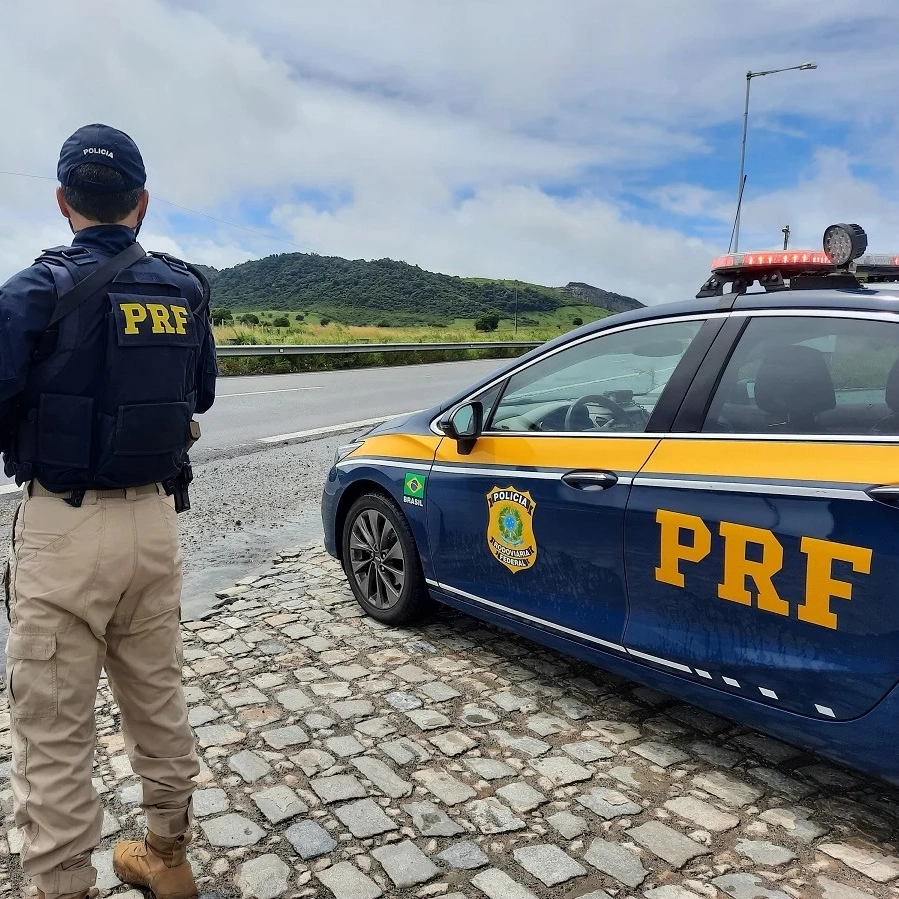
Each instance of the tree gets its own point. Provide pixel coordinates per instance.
(282, 321)
(300, 317)
(325, 321)
(221, 315)
(489, 321)
(577, 321)
(248, 318)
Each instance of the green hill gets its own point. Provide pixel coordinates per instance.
(360, 292)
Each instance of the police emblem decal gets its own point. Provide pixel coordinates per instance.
(510, 528)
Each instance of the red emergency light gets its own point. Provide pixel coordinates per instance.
(793, 261)
(788, 260)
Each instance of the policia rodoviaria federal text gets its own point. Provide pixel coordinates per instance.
(106, 353)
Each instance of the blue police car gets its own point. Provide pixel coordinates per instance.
(701, 496)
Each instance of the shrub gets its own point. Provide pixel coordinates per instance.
(248, 318)
(487, 322)
(282, 321)
(577, 321)
(243, 338)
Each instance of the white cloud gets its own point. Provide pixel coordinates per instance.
(829, 192)
(398, 108)
(517, 232)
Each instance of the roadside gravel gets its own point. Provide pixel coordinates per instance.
(243, 510)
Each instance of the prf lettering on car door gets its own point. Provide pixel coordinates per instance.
(687, 539)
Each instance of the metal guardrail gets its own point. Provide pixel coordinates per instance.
(311, 349)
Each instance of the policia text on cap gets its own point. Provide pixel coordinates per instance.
(106, 353)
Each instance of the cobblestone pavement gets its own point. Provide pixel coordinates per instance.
(342, 758)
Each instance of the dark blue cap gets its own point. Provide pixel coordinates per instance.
(101, 145)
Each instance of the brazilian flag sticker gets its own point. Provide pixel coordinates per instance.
(414, 486)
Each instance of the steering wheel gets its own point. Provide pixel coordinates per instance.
(579, 407)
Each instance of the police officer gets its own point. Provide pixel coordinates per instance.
(105, 355)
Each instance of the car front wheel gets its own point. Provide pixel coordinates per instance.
(381, 560)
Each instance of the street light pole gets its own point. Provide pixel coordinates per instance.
(516, 308)
(805, 67)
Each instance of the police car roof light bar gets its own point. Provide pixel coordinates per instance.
(842, 260)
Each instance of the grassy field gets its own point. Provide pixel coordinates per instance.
(532, 327)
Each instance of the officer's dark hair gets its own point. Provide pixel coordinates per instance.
(107, 208)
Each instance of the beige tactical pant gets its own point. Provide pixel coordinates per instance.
(93, 587)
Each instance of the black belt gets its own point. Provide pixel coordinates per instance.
(34, 488)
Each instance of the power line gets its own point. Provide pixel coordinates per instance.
(233, 225)
(25, 175)
(187, 209)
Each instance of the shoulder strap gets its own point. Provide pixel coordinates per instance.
(185, 268)
(96, 281)
(204, 284)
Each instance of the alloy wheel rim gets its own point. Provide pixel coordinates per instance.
(377, 561)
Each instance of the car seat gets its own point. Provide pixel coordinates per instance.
(890, 424)
(793, 384)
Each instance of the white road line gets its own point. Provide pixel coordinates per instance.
(225, 396)
(333, 429)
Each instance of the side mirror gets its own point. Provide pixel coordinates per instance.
(464, 424)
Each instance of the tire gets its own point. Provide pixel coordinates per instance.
(381, 561)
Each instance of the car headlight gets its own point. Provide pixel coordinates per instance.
(345, 449)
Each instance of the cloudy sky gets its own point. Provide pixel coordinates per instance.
(546, 140)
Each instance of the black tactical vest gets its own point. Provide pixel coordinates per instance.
(112, 388)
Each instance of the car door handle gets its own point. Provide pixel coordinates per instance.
(590, 480)
(888, 493)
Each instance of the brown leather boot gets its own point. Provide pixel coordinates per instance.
(157, 863)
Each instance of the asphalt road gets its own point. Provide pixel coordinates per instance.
(252, 496)
(250, 409)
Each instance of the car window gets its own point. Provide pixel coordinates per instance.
(488, 399)
(810, 375)
(609, 383)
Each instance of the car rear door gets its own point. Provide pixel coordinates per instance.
(762, 540)
(529, 522)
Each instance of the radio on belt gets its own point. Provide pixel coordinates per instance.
(842, 263)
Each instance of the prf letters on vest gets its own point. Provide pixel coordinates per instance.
(686, 538)
(159, 318)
